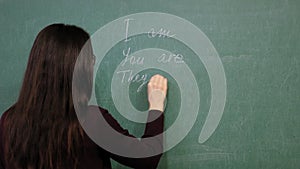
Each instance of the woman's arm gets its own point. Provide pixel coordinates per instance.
(152, 129)
(119, 144)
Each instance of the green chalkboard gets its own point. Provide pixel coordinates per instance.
(241, 57)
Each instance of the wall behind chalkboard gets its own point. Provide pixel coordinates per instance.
(257, 41)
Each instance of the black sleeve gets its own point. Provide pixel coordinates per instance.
(154, 145)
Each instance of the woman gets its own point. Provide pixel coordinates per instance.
(41, 130)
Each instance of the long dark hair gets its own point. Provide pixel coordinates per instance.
(42, 130)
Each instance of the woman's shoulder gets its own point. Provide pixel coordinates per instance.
(97, 114)
(4, 115)
(96, 109)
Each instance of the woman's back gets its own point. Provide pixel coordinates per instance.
(41, 131)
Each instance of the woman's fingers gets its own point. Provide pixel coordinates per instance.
(165, 86)
(157, 82)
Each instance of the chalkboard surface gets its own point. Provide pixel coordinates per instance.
(254, 44)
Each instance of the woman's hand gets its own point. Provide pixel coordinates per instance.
(157, 91)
